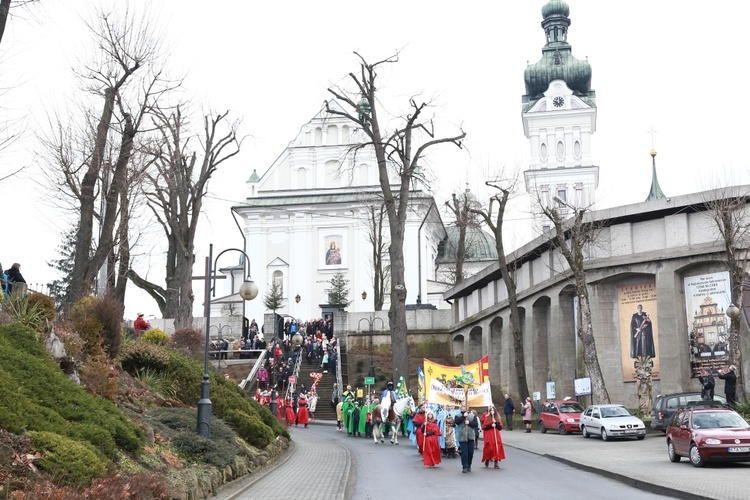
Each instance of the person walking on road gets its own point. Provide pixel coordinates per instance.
(730, 384)
(431, 447)
(508, 410)
(526, 409)
(493, 443)
(466, 431)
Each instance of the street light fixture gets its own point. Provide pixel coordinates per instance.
(297, 299)
(371, 322)
(248, 291)
(364, 295)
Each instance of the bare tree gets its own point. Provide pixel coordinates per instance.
(728, 207)
(175, 194)
(572, 238)
(494, 217)
(399, 154)
(380, 274)
(126, 44)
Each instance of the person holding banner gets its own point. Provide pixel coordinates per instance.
(431, 446)
(417, 422)
(493, 443)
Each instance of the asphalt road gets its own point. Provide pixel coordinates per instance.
(326, 464)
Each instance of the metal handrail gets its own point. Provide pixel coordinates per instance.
(295, 372)
(254, 371)
(339, 378)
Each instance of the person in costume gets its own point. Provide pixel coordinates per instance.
(389, 395)
(431, 445)
(291, 418)
(353, 423)
(493, 442)
(339, 416)
(303, 415)
(312, 403)
(348, 397)
(417, 422)
(450, 436)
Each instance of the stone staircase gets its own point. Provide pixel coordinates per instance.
(325, 386)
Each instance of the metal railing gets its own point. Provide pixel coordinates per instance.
(291, 386)
(254, 371)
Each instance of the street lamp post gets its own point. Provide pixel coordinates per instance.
(371, 322)
(248, 291)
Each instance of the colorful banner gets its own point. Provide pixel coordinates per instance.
(707, 297)
(443, 383)
(639, 325)
(420, 378)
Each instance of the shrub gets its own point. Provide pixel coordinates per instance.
(87, 325)
(100, 378)
(190, 342)
(137, 356)
(19, 309)
(250, 428)
(68, 461)
(156, 336)
(45, 304)
(109, 311)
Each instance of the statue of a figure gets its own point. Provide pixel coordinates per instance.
(643, 366)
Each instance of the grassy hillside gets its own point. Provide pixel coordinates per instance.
(57, 439)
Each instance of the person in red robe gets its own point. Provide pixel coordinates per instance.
(417, 421)
(303, 416)
(279, 408)
(291, 418)
(493, 442)
(431, 445)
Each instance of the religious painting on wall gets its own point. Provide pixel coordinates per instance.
(332, 250)
(707, 297)
(639, 342)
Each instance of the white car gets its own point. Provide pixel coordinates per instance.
(611, 421)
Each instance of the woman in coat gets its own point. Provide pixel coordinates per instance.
(493, 442)
(431, 444)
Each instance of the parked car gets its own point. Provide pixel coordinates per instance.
(560, 414)
(611, 421)
(708, 431)
(666, 404)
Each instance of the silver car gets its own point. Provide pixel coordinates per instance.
(611, 421)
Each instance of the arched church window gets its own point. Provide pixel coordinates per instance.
(301, 178)
(560, 151)
(543, 152)
(332, 135)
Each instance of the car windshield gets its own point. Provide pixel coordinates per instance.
(571, 408)
(718, 420)
(615, 411)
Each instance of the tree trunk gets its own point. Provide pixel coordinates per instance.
(586, 334)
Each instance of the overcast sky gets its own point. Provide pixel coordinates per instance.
(671, 65)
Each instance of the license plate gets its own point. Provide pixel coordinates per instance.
(630, 431)
(742, 449)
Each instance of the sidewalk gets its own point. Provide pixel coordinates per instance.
(643, 464)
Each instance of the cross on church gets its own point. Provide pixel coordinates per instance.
(652, 131)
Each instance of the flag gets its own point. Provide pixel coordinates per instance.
(420, 378)
(401, 391)
(443, 383)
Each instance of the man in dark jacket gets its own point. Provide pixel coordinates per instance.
(707, 385)
(466, 425)
(508, 411)
(730, 384)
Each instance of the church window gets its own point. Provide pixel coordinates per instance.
(562, 194)
(345, 138)
(332, 135)
(318, 137)
(332, 173)
(543, 152)
(560, 151)
(301, 178)
(546, 228)
(545, 196)
(579, 201)
(363, 177)
(577, 150)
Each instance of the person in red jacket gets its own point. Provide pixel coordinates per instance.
(140, 325)
(431, 444)
(493, 443)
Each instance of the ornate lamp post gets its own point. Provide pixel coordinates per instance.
(248, 291)
(371, 322)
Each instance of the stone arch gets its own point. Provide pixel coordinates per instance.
(539, 343)
(496, 351)
(458, 347)
(475, 345)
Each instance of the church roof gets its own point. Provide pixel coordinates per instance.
(557, 62)
(480, 245)
(273, 199)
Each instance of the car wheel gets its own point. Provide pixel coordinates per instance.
(673, 456)
(585, 432)
(562, 430)
(542, 428)
(695, 457)
(605, 436)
